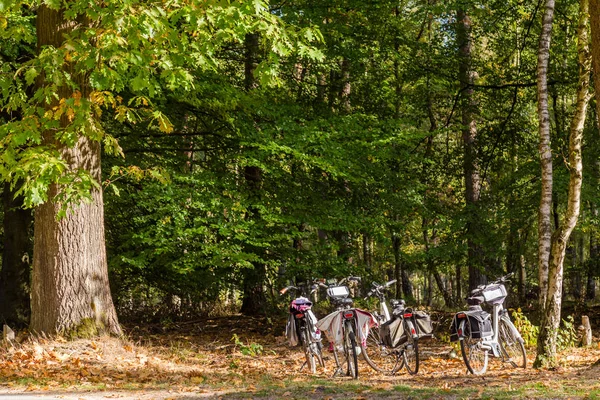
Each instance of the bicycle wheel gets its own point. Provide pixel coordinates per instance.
(512, 348)
(410, 354)
(475, 357)
(311, 361)
(350, 350)
(380, 357)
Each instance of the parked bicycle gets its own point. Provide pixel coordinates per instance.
(481, 334)
(395, 343)
(346, 328)
(301, 327)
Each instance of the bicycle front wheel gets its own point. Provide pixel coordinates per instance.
(513, 349)
(475, 356)
(350, 350)
(380, 357)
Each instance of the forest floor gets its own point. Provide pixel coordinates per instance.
(239, 357)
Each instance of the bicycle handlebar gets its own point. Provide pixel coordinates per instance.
(376, 288)
(502, 279)
(300, 288)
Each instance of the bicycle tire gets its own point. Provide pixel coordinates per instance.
(475, 357)
(410, 355)
(350, 350)
(513, 349)
(379, 356)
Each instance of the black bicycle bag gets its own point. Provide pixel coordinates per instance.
(479, 321)
(423, 325)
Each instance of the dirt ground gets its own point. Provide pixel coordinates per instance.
(240, 357)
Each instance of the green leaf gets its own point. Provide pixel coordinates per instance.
(30, 75)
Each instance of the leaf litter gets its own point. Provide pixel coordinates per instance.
(200, 359)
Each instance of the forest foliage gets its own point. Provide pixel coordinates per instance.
(331, 147)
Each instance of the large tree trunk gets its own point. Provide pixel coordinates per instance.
(545, 209)
(469, 136)
(546, 355)
(70, 291)
(14, 277)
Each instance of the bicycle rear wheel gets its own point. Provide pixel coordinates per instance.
(512, 348)
(350, 350)
(411, 355)
(380, 357)
(475, 357)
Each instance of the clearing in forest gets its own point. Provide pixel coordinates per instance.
(247, 358)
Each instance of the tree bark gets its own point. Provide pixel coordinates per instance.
(70, 288)
(253, 296)
(547, 338)
(545, 209)
(586, 339)
(345, 87)
(470, 162)
(397, 264)
(592, 262)
(595, 33)
(14, 276)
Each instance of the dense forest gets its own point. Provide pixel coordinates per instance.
(169, 159)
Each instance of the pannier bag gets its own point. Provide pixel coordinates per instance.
(479, 322)
(291, 332)
(422, 322)
(392, 333)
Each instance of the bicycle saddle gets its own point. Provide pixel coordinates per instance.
(475, 300)
(397, 303)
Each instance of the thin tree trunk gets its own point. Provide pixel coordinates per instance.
(592, 263)
(469, 136)
(545, 209)
(346, 87)
(253, 296)
(397, 264)
(16, 251)
(547, 338)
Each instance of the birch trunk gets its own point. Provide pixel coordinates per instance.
(545, 209)
(546, 352)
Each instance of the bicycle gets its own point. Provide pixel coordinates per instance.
(480, 333)
(395, 344)
(346, 328)
(301, 327)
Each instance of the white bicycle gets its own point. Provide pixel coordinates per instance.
(481, 334)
